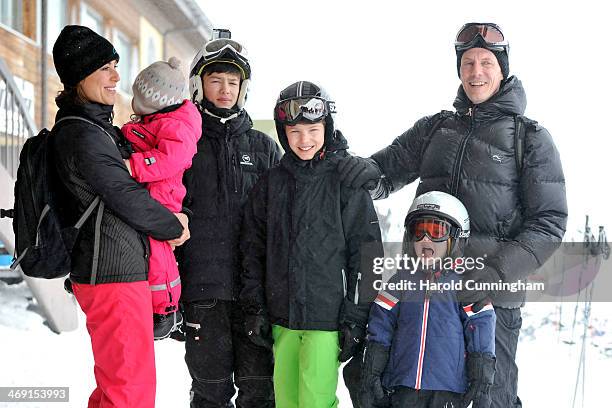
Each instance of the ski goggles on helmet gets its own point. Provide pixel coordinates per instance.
(490, 33)
(309, 109)
(436, 229)
(216, 46)
(227, 51)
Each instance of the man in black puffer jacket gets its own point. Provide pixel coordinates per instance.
(518, 211)
(230, 158)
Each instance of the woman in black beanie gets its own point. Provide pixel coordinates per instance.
(109, 260)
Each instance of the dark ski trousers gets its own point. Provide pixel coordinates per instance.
(507, 329)
(404, 397)
(219, 354)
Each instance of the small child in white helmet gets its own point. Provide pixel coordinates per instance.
(164, 134)
(424, 349)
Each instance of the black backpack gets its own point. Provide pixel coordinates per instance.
(42, 244)
(520, 124)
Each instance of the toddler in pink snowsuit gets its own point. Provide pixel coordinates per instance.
(164, 135)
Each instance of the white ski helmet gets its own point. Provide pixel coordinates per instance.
(446, 207)
(222, 50)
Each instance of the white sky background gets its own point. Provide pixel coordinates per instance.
(388, 63)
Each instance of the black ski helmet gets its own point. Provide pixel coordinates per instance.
(304, 101)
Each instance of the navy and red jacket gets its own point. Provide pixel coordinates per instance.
(429, 333)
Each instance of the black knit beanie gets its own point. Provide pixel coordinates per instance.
(502, 58)
(79, 51)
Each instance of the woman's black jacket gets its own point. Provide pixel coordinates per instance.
(89, 164)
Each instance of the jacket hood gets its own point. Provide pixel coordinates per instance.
(509, 100)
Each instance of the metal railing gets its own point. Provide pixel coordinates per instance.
(16, 124)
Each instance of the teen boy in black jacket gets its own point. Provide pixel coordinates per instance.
(230, 158)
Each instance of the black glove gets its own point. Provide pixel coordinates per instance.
(258, 330)
(480, 373)
(351, 337)
(374, 364)
(357, 172)
(478, 297)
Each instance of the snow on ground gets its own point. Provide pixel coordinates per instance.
(32, 355)
(548, 359)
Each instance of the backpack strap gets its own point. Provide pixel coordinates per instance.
(519, 143)
(436, 120)
(87, 213)
(84, 120)
(97, 202)
(521, 123)
(96, 249)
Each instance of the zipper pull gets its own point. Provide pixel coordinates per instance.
(235, 168)
(469, 112)
(356, 296)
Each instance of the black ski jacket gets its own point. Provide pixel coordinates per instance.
(302, 241)
(231, 156)
(89, 164)
(518, 215)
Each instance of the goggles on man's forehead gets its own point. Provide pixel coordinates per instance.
(436, 229)
(310, 109)
(490, 33)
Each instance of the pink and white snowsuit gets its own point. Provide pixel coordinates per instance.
(164, 145)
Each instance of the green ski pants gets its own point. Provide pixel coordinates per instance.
(305, 368)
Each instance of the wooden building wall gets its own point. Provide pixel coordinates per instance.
(22, 53)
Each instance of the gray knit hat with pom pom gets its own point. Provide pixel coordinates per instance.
(159, 85)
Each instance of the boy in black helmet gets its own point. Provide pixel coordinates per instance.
(230, 158)
(302, 244)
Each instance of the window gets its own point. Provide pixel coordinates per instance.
(125, 49)
(150, 52)
(56, 19)
(90, 18)
(11, 14)
(151, 43)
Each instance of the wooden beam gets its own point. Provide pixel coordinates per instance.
(29, 18)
